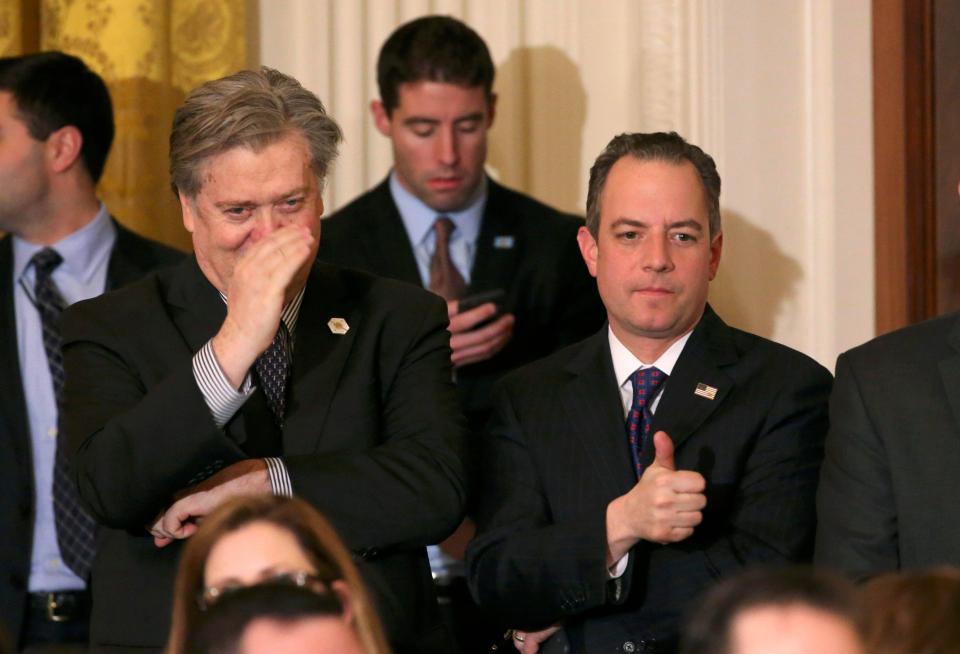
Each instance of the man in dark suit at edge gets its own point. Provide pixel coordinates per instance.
(607, 531)
(888, 490)
(439, 221)
(61, 246)
(251, 368)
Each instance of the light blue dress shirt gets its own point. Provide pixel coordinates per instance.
(82, 275)
(418, 220)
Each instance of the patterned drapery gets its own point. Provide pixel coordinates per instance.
(150, 52)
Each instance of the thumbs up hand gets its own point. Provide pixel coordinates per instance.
(664, 506)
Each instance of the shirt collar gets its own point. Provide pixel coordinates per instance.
(418, 218)
(84, 251)
(625, 363)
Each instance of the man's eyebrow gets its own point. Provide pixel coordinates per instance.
(624, 221)
(478, 115)
(420, 120)
(250, 204)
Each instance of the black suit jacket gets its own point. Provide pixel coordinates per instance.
(547, 285)
(890, 483)
(557, 454)
(132, 257)
(372, 435)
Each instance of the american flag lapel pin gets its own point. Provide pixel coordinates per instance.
(503, 242)
(704, 390)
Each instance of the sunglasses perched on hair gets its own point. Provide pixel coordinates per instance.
(300, 579)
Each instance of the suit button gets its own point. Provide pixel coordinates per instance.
(629, 647)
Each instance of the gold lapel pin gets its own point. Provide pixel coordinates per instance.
(338, 326)
(703, 390)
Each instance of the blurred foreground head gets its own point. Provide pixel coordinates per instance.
(276, 541)
(776, 611)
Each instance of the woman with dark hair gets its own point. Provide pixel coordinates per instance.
(912, 612)
(258, 539)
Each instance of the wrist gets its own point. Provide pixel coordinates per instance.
(620, 538)
(234, 358)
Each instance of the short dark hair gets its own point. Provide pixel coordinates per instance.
(709, 625)
(668, 147)
(434, 48)
(53, 90)
(221, 629)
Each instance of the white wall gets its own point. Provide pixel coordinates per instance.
(779, 92)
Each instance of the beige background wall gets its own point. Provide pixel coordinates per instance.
(779, 92)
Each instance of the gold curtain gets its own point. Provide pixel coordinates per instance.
(150, 52)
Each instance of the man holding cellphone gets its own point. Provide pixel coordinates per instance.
(508, 266)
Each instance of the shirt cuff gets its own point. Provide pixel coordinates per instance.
(221, 398)
(279, 477)
(617, 569)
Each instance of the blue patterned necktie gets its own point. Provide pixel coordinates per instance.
(273, 371)
(639, 418)
(75, 528)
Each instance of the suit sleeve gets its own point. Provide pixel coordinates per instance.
(856, 510)
(524, 565)
(537, 571)
(409, 490)
(131, 447)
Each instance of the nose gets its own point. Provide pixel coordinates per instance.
(267, 221)
(447, 146)
(656, 254)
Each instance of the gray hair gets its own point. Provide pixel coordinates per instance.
(252, 109)
(668, 147)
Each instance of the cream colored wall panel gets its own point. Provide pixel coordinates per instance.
(779, 92)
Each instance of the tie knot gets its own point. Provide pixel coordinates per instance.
(646, 381)
(443, 227)
(46, 261)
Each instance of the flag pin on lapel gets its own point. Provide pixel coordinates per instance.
(703, 390)
(338, 326)
(503, 242)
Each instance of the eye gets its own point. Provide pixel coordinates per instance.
(423, 131)
(292, 204)
(683, 237)
(237, 213)
(468, 126)
(629, 235)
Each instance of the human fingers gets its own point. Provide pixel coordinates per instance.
(466, 321)
(498, 329)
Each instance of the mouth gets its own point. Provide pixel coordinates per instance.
(445, 183)
(654, 291)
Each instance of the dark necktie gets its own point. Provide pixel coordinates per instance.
(273, 371)
(639, 418)
(445, 280)
(75, 528)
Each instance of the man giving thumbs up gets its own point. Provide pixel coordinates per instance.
(626, 473)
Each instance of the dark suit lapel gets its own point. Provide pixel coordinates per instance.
(682, 410)
(126, 259)
(12, 403)
(594, 413)
(385, 240)
(195, 305)
(950, 372)
(499, 246)
(318, 357)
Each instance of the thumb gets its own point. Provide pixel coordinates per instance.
(663, 446)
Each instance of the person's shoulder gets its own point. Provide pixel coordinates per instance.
(128, 304)
(368, 204)
(533, 213)
(773, 360)
(380, 292)
(148, 252)
(553, 370)
(923, 341)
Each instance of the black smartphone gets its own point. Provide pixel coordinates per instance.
(475, 300)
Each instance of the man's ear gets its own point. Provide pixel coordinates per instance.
(188, 210)
(716, 248)
(588, 249)
(491, 109)
(380, 118)
(63, 148)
